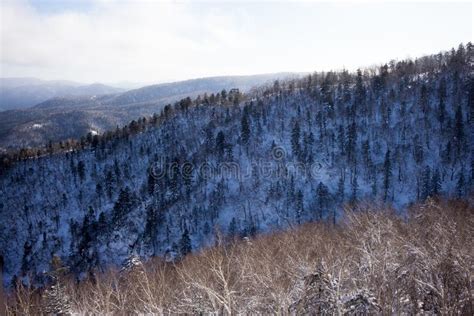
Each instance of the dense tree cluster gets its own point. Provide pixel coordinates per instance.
(284, 154)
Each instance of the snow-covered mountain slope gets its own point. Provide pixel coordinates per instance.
(243, 164)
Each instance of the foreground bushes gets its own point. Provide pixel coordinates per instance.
(373, 262)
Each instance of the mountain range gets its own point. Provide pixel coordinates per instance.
(21, 93)
(61, 110)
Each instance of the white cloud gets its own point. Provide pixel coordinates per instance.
(149, 41)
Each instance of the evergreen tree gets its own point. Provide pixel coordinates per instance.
(387, 171)
(366, 154)
(322, 193)
(295, 139)
(340, 189)
(209, 138)
(459, 131)
(427, 181)
(436, 183)
(299, 206)
(223, 94)
(360, 93)
(88, 233)
(220, 144)
(355, 189)
(151, 183)
(418, 151)
(351, 143)
(233, 229)
(151, 225)
(174, 180)
(245, 129)
(341, 139)
(441, 102)
(308, 147)
(123, 205)
(424, 99)
(109, 184)
(187, 175)
(185, 246)
(460, 185)
(102, 224)
(81, 170)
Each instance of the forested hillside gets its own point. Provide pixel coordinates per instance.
(241, 164)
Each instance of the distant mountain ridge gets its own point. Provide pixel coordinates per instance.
(193, 87)
(20, 93)
(97, 110)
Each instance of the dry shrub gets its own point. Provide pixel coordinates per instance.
(24, 300)
(372, 262)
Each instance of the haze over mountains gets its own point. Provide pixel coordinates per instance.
(44, 111)
(19, 93)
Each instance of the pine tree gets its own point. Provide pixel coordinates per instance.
(346, 91)
(436, 183)
(102, 224)
(355, 189)
(441, 102)
(299, 206)
(123, 205)
(427, 190)
(220, 144)
(81, 170)
(340, 189)
(460, 185)
(109, 184)
(224, 94)
(418, 151)
(360, 93)
(424, 99)
(387, 171)
(459, 131)
(151, 225)
(341, 139)
(295, 140)
(88, 234)
(209, 138)
(185, 246)
(308, 147)
(322, 193)
(233, 229)
(245, 129)
(351, 143)
(151, 183)
(366, 154)
(173, 180)
(187, 175)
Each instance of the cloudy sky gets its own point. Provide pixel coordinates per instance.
(150, 41)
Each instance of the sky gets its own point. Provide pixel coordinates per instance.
(149, 41)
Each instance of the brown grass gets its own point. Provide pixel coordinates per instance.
(422, 263)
